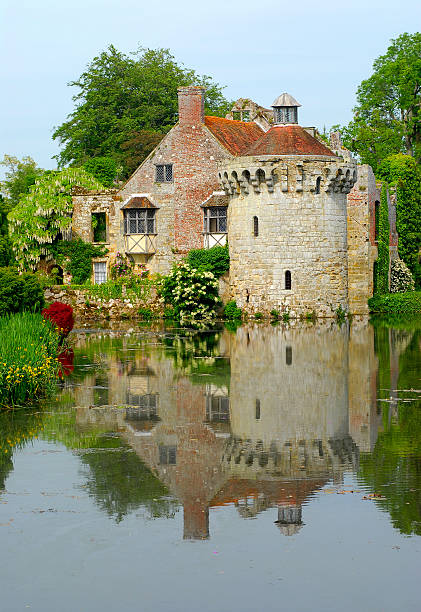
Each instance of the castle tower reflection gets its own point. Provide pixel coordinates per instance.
(289, 418)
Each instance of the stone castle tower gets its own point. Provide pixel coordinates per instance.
(287, 219)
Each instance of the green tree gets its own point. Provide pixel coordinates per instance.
(20, 176)
(102, 168)
(387, 117)
(120, 97)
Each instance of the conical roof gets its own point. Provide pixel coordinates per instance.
(288, 140)
(285, 99)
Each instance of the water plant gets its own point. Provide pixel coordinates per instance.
(29, 346)
(232, 311)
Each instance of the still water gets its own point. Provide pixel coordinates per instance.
(263, 468)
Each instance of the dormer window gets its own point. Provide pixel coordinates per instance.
(163, 173)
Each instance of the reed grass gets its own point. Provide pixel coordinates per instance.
(29, 346)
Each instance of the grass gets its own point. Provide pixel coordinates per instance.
(29, 346)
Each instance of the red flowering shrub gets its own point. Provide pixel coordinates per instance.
(61, 315)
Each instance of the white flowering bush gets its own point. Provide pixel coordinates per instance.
(192, 293)
(401, 279)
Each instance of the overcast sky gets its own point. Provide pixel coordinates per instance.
(317, 51)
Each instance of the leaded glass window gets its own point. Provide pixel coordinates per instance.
(139, 221)
(164, 173)
(215, 220)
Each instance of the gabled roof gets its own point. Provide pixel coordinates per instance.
(235, 136)
(289, 139)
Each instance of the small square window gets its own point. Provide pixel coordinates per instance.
(164, 173)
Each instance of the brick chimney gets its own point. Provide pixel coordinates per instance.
(191, 105)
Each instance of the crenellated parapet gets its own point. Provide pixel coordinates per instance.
(246, 175)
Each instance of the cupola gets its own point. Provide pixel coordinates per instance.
(285, 109)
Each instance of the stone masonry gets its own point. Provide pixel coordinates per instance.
(299, 231)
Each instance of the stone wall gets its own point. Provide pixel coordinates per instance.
(362, 245)
(299, 230)
(87, 307)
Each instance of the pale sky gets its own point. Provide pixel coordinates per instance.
(317, 51)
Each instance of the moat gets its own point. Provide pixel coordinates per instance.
(248, 469)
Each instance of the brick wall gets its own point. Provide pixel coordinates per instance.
(194, 153)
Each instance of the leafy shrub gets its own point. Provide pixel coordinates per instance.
(61, 316)
(145, 313)
(258, 316)
(169, 313)
(19, 292)
(401, 279)
(396, 303)
(191, 292)
(215, 260)
(232, 312)
(28, 366)
(274, 313)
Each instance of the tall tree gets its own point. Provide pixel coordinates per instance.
(387, 117)
(122, 99)
(19, 177)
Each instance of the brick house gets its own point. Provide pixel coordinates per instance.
(173, 202)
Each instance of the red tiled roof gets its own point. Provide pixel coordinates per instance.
(236, 136)
(288, 140)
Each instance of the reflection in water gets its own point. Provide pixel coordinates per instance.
(262, 418)
(283, 424)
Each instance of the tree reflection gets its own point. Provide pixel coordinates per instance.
(393, 469)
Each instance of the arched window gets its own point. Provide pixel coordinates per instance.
(318, 181)
(255, 226)
(287, 279)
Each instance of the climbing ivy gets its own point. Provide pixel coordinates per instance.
(402, 171)
(75, 257)
(43, 214)
(382, 269)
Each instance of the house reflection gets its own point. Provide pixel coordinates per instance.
(299, 406)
